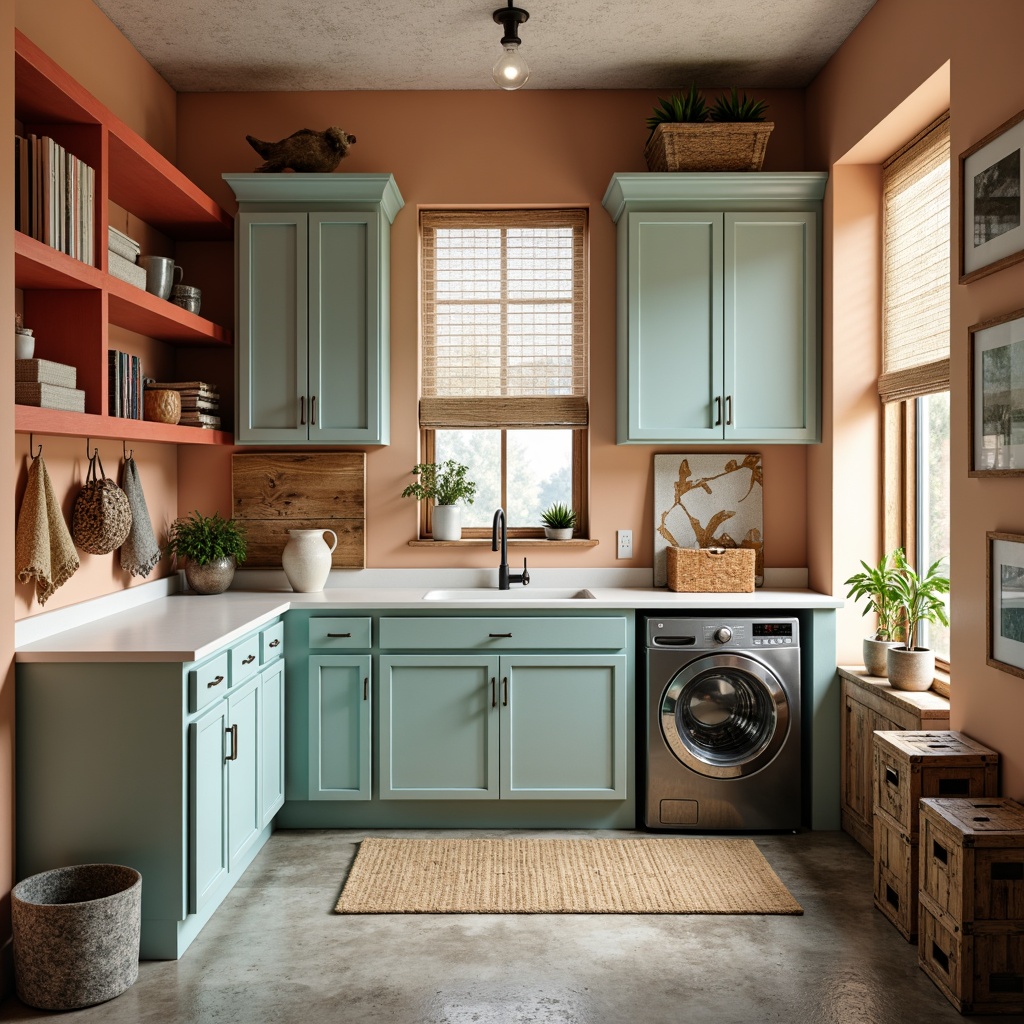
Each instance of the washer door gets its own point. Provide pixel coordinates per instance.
(725, 716)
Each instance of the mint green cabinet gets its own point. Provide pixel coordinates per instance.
(271, 740)
(243, 771)
(718, 307)
(313, 261)
(208, 799)
(340, 709)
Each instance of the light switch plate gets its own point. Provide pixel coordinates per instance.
(623, 543)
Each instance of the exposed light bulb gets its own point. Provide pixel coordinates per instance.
(511, 71)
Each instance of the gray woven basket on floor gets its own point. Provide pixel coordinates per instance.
(76, 935)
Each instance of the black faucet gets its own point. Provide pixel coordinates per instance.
(504, 576)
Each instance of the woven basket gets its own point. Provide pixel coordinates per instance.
(50, 396)
(709, 146)
(161, 405)
(102, 518)
(710, 570)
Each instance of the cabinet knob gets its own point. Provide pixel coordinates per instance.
(275, 643)
(216, 682)
(249, 660)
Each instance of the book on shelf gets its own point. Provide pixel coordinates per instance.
(200, 419)
(183, 386)
(123, 245)
(124, 395)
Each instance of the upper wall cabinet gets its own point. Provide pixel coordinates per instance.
(718, 307)
(313, 260)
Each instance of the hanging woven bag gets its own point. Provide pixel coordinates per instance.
(102, 517)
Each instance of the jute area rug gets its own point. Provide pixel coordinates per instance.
(563, 876)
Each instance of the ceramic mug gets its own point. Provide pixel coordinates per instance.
(160, 274)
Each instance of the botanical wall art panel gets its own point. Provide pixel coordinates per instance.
(708, 501)
(997, 396)
(1005, 607)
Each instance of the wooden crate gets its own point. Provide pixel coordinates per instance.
(912, 765)
(896, 875)
(978, 972)
(972, 860)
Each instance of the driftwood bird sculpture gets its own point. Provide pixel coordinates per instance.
(304, 150)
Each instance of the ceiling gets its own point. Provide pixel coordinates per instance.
(308, 45)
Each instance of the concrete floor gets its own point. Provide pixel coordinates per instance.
(276, 952)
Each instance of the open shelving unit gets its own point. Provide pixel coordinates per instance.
(70, 304)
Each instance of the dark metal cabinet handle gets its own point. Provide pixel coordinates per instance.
(494, 693)
(718, 410)
(728, 410)
(366, 688)
(312, 410)
(500, 636)
(249, 660)
(216, 682)
(339, 635)
(275, 643)
(504, 691)
(302, 410)
(233, 733)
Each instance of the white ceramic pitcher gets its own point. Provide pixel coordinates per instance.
(306, 559)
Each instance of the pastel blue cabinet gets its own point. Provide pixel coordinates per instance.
(271, 741)
(313, 266)
(340, 709)
(718, 307)
(208, 800)
(243, 770)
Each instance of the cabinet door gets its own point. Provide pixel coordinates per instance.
(340, 704)
(674, 372)
(438, 727)
(244, 817)
(271, 742)
(208, 856)
(272, 393)
(771, 327)
(563, 727)
(347, 335)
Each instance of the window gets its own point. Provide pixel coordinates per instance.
(915, 353)
(504, 373)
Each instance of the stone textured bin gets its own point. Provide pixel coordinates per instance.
(76, 935)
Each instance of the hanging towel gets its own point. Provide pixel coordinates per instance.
(140, 551)
(43, 548)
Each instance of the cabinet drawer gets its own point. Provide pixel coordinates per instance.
(495, 633)
(344, 634)
(271, 642)
(245, 659)
(207, 682)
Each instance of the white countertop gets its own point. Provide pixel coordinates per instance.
(189, 627)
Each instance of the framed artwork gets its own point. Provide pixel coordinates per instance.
(704, 501)
(1005, 606)
(997, 396)
(991, 221)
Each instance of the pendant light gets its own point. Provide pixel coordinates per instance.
(510, 71)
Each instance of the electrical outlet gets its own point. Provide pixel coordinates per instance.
(623, 543)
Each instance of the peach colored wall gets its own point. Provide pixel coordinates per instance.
(489, 148)
(896, 48)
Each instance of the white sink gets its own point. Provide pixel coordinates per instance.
(516, 593)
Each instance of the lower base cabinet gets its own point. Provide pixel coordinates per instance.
(339, 727)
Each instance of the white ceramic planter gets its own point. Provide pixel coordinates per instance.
(911, 670)
(876, 655)
(446, 522)
(555, 533)
(306, 559)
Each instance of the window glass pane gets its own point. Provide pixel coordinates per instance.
(539, 473)
(933, 498)
(480, 450)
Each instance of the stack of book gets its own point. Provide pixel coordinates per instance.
(200, 402)
(122, 253)
(55, 196)
(47, 384)
(125, 385)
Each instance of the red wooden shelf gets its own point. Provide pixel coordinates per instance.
(53, 422)
(38, 265)
(141, 311)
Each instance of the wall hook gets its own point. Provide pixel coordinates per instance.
(32, 454)
(88, 445)
(127, 454)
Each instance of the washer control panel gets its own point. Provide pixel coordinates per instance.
(715, 634)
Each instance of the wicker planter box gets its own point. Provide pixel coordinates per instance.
(709, 146)
(710, 570)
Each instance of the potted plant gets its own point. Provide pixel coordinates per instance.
(444, 484)
(212, 547)
(920, 599)
(877, 586)
(687, 135)
(558, 520)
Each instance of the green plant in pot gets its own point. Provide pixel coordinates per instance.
(211, 546)
(445, 484)
(876, 585)
(920, 599)
(559, 520)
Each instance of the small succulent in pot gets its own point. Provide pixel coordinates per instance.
(559, 520)
(212, 547)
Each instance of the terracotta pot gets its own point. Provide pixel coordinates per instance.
(875, 655)
(911, 670)
(446, 522)
(211, 578)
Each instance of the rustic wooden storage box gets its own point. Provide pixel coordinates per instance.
(896, 875)
(710, 570)
(971, 940)
(911, 765)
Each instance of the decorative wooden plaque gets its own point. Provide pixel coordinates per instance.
(272, 493)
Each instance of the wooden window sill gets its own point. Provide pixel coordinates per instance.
(912, 700)
(513, 542)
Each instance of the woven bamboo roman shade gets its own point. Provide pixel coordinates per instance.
(504, 318)
(915, 306)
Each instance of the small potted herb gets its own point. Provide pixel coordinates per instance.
(444, 484)
(920, 599)
(877, 586)
(558, 520)
(211, 546)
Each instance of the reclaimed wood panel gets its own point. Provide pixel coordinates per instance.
(273, 492)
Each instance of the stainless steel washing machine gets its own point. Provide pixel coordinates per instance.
(723, 724)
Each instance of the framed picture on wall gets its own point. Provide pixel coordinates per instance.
(997, 396)
(1005, 604)
(991, 217)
